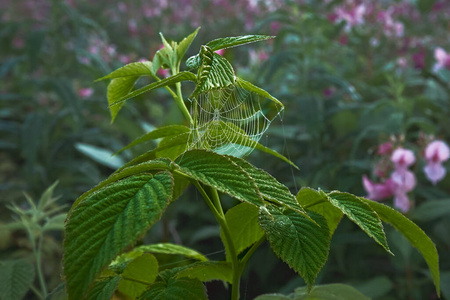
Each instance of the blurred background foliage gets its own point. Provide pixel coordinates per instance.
(352, 74)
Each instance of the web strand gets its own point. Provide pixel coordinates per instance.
(230, 120)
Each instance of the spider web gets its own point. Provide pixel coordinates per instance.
(230, 120)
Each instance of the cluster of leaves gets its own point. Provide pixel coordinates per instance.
(345, 95)
(105, 221)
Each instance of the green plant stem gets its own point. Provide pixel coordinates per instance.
(37, 254)
(250, 252)
(37, 292)
(217, 210)
(179, 98)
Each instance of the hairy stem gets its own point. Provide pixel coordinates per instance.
(217, 210)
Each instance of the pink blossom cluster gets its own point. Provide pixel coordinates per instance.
(355, 13)
(401, 179)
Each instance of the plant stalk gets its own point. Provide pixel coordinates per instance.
(217, 210)
(179, 98)
(37, 254)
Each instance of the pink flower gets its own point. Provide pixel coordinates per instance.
(404, 179)
(85, 93)
(353, 16)
(163, 72)
(221, 52)
(378, 191)
(442, 58)
(403, 158)
(436, 153)
(385, 148)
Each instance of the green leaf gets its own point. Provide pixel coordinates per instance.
(270, 188)
(182, 76)
(161, 132)
(242, 221)
(47, 197)
(173, 249)
(230, 42)
(55, 223)
(330, 292)
(259, 91)
(221, 173)
(208, 271)
(135, 69)
(103, 289)
(318, 202)
(215, 72)
(104, 224)
(176, 288)
(117, 89)
(16, 277)
(185, 43)
(298, 241)
(100, 155)
(361, 214)
(154, 165)
(172, 146)
(137, 275)
(413, 233)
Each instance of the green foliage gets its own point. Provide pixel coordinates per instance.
(229, 42)
(360, 213)
(220, 173)
(16, 277)
(208, 271)
(322, 292)
(300, 242)
(176, 289)
(317, 201)
(173, 249)
(242, 221)
(103, 289)
(96, 234)
(139, 273)
(414, 234)
(106, 222)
